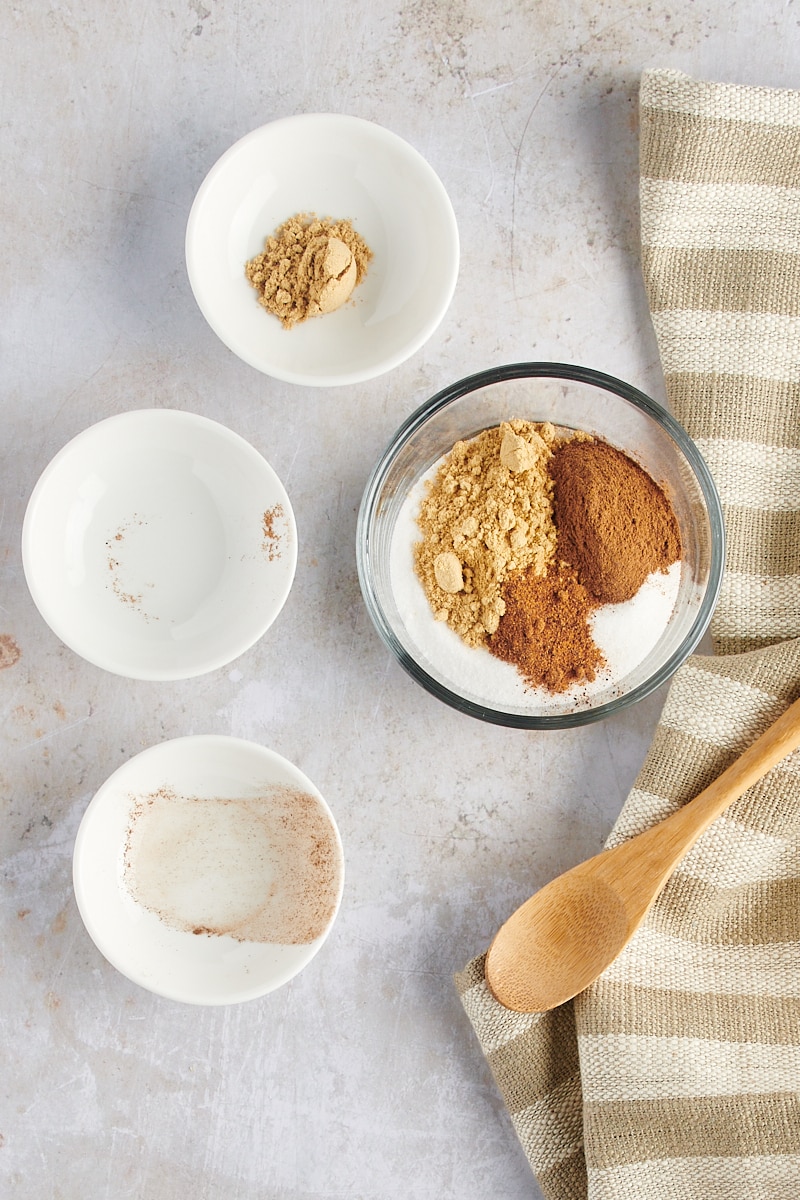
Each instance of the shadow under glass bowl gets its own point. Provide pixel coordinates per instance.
(576, 398)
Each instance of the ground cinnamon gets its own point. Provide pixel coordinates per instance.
(544, 631)
(615, 524)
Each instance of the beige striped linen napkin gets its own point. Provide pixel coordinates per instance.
(677, 1075)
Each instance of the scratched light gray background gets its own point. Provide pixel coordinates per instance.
(361, 1079)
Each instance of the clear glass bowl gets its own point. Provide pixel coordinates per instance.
(573, 397)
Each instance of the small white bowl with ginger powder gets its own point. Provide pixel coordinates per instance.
(322, 249)
(540, 546)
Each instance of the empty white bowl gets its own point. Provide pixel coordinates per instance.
(333, 166)
(158, 544)
(187, 861)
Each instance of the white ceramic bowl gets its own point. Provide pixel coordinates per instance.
(345, 168)
(216, 855)
(159, 544)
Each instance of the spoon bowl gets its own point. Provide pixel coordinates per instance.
(554, 932)
(562, 938)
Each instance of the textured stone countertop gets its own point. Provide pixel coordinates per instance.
(361, 1079)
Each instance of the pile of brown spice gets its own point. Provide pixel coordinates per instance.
(615, 524)
(309, 266)
(545, 631)
(526, 531)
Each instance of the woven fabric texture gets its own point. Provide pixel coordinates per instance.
(677, 1075)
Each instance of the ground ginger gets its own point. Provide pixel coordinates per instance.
(490, 507)
(309, 267)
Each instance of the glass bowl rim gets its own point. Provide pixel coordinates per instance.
(577, 374)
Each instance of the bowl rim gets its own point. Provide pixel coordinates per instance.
(121, 664)
(578, 374)
(401, 147)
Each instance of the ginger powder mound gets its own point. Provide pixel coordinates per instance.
(309, 266)
(489, 511)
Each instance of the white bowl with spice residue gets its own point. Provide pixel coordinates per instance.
(343, 168)
(642, 641)
(208, 870)
(159, 544)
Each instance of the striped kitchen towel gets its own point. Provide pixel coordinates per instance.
(677, 1075)
(720, 218)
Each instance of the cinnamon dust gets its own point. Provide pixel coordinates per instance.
(10, 652)
(263, 868)
(270, 533)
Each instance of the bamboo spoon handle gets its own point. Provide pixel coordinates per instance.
(673, 837)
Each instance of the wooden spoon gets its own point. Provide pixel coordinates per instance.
(565, 935)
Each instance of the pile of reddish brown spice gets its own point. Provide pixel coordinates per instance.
(545, 630)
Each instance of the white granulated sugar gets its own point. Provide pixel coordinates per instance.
(625, 633)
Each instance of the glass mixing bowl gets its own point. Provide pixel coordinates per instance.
(568, 396)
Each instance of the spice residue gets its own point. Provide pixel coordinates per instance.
(271, 535)
(262, 869)
(133, 600)
(10, 652)
(526, 532)
(309, 266)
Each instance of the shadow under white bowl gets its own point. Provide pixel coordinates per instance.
(195, 969)
(334, 166)
(159, 544)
